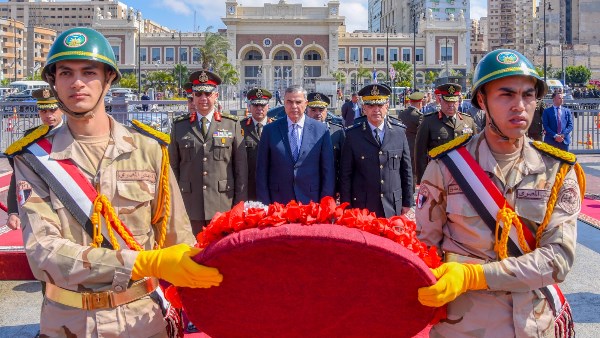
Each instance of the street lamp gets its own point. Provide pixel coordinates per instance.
(550, 9)
(135, 14)
(178, 63)
(14, 26)
(414, 17)
(387, 51)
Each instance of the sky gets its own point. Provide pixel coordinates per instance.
(179, 14)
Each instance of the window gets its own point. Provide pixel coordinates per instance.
(156, 54)
(169, 54)
(312, 71)
(253, 55)
(420, 55)
(283, 55)
(354, 54)
(406, 54)
(380, 54)
(195, 55)
(367, 54)
(393, 54)
(342, 54)
(183, 54)
(251, 71)
(446, 53)
(143, 54)
(312, 55)
(117, 51)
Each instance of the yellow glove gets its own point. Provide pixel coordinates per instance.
(453, 280)
(174, 264)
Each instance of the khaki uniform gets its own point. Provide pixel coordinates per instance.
(512, 305)
(251, 140)
(212, 172)
(58, 248)
(436, 130)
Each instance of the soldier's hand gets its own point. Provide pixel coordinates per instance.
(13, 222)
(453, 280)
(175, 265)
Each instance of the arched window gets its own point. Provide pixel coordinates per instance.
(312, 55)
(283, 55)
(253, 55)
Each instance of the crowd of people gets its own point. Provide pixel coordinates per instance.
(165, 190)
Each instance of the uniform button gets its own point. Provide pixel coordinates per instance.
(380, 152)
(205, 159)
(354, 198)
(381, 195)
(118, 288)
(381, 181)
(205, 173)
(204, 187)
(204, 144)
(362, 157)
(381, 166)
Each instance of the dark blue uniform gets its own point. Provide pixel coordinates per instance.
(337, 140)
(375, 177)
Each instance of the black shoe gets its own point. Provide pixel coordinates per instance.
(191, 328)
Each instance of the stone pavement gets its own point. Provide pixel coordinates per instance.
(21, 300)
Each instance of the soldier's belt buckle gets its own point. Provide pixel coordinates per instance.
(97, 300)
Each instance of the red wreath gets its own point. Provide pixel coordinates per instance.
(399, 229)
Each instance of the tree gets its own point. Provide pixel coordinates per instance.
(213, 53)
(229, 76)
(575, 74)
(404, 73)
(430, 78)
(180, 74)
(340, 77)
(363, 73)
(161, 80)
(128, 80)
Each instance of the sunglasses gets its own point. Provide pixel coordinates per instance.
(199, 94)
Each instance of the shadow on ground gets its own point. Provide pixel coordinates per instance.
(27, 330)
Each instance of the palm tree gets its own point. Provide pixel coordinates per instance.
(161, 80)
(213, 53)
(128, 80)
(340, 77)
(180, 74)
(229, 76)
(363, 73)
(404, 73)
(430, 78)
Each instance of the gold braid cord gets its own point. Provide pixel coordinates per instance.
(455, 143)
(102, 207)
(163, 199)
(508, 218)
(24, 142)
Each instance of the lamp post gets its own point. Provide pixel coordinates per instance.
(136, 15)
(178, 65)
(549, 9)
(14, 26)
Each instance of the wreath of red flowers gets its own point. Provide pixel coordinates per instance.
(399, 229)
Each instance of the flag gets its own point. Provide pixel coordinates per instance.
(374, 76)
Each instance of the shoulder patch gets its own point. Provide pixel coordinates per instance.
(554, 152)
(448, 146)
(229, 116)
(181, 117)
(396, 121)
(354, 126)
(145, 129)
(335, 124)
(20, 145)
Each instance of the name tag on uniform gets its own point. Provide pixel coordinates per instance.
(223, 133)
(454, 189)
(533, 194)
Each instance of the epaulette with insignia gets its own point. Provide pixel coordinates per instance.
(396, 121)
(182, 117)
(18, 146)
(145, 129)
(354, 126)
(554, 152)
(430, 113)
(229, 116)
(335, 124)
(450, 145)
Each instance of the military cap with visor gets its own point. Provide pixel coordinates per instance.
(79, 43)
(45, 98)
(375, 94)
(450, 91)
(204, 81)
(416, 96)
(502, 63)
(318, 100)
(259, 96)
(188, 90)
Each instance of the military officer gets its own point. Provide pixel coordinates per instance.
(317, 109)
(208, 155)
(189, 94)
(441, 127)
(412, 118)
(96, 266)
(258, 104)
(375, 169)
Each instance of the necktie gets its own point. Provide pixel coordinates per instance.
(377, 139)
(259, 129)
(558, 121)
(294, 142)
(204, 127)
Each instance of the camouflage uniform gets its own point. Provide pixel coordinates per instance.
(58, 248)
(512, 305)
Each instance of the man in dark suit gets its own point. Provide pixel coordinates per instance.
(351, 110)
(252, 127)
(376, 171)
(207, 155)
(317, 109)
(295, 156)
(558, 123)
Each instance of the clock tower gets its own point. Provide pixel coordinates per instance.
(231, 7)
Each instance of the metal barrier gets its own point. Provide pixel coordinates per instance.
(17, 117)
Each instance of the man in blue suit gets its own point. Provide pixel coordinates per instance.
(295, 156)
(558, 123)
